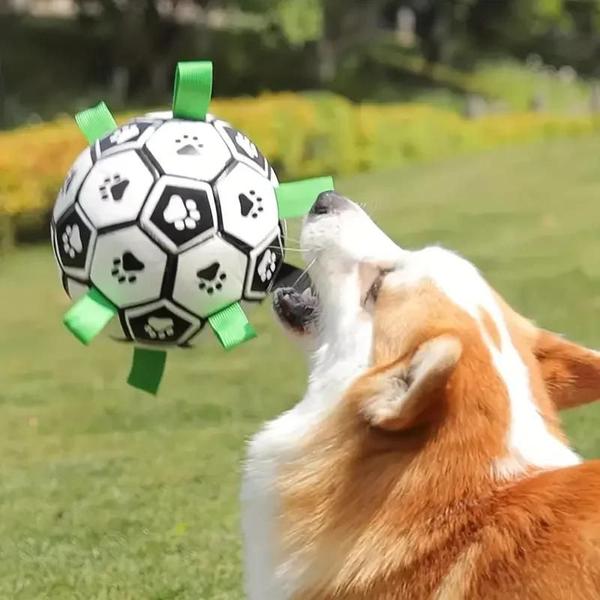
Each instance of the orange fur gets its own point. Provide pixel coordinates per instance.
(572, 373)
(409, 508)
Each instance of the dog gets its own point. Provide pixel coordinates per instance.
(426, 459)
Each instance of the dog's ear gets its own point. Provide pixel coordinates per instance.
(395, 397)
(571, 372)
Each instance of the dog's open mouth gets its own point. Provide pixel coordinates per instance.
(295, 301)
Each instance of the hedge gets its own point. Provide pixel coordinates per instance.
(301, 135)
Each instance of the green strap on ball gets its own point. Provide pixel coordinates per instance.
(147, 369)
(296, 198)
(192, 90)
(95, 122)
(231, 326)
(89, 315)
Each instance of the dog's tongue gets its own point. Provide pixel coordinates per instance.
(290, 276)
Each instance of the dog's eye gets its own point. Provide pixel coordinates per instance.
(374, 290)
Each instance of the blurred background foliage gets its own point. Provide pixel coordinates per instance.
(321, 85)
(58, 55)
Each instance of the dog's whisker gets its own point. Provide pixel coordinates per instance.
(286, 249)
(305, 271)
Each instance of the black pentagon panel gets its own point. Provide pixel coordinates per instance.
(182, 214)
(265, 263)
(74, 238)
(159, 326)
(179, 213)
(130, 135)
(243, 148)
(161, 323)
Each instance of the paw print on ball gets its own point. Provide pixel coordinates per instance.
(113, 188)
(248, 147)
(126, 267)
(179, 213)
(159, 329)
(189, 145)
(211, 278)
(267, 266)
(71, 240)
(182, 214)
(250, 204)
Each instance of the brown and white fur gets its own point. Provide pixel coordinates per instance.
(426, 459)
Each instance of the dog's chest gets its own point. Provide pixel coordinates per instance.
(269, 451)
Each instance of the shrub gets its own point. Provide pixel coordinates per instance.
(302, 136)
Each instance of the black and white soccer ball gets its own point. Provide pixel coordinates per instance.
(172, 220)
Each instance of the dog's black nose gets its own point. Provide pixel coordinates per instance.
(328, 202)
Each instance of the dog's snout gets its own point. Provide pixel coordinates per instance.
(328, 202)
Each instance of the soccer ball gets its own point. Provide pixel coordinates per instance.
(172, 220)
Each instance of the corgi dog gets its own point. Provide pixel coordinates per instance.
(426, 460)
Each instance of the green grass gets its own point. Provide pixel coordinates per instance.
(109, 493)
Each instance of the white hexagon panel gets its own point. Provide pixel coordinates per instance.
(161, 323)
(243, 148)
(180, 213)
(265, 262)
(248, 204)
(74, 239)
(129, 136)
(68, 192)
(210, 277)
(128, 267)
(189, 149)
(116, 189)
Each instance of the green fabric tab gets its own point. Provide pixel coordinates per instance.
(193, 89)
(95, 122)
(89, 315)
(296, 198)
(231, 326)
(147, 369)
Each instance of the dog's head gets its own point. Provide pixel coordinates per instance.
(418, 340)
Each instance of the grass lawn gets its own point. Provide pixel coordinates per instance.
(108, 493)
